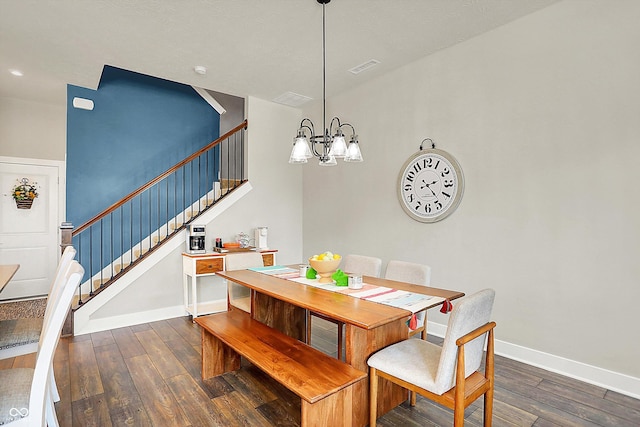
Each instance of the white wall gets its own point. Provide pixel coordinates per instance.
(543, 115)
(276, 198)
(32, 130)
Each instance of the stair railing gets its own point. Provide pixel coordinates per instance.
(122, 235)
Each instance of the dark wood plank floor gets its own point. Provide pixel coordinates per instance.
(149, 375)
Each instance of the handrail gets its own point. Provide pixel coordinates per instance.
(157, 179)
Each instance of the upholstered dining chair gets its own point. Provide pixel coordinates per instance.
(21, 336)
(353, 264)
(25, 394)
(240, 296)
(447, 375)
(418, 274)
(362, 264)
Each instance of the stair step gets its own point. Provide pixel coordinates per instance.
(98, 282)
(138, 253)
(226, 184)
(174, 227)
(117, 268)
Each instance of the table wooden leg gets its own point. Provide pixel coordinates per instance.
(362, 343)
(287, 318)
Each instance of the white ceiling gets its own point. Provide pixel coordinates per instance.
(250, 47)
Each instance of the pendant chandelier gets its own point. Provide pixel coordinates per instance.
(330, 145)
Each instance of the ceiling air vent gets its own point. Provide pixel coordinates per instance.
(292, 99)
(364, 66)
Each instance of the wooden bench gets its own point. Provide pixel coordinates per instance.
(324, 384)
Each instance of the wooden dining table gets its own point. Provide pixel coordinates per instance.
(6, 273)
(369, 326)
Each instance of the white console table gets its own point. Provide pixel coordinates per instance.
(195, 266)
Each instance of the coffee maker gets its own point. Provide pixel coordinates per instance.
(196, 238)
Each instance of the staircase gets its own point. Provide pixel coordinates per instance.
(118, 239)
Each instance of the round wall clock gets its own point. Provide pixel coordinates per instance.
(430, 185)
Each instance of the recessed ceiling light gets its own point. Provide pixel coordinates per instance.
(16, 73)
(199, 69)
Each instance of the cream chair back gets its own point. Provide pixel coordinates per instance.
(468, 313)
(361, 264)
(418, 274)
(409, 272)
(240, 296)
(243, 260)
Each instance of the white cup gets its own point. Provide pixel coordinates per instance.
(355, 282)
(303, 270)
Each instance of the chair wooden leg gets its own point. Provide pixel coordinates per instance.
(424, 327)
(488, 408)
(489, 372)
(308, 337)
(373, 396)
(412, 398)
(340, 341)
(458, 406)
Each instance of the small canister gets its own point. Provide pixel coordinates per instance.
(303, 270)
(355, 281)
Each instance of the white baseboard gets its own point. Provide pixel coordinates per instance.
(615, 381)
(130, 319)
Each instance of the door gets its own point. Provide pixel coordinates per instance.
(29, 237)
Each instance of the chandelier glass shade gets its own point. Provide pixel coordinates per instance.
(331, 144)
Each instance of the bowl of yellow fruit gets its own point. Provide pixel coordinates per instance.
(325, 265)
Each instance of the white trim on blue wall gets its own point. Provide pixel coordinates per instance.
(210, 100)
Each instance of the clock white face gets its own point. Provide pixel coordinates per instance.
(430, 185)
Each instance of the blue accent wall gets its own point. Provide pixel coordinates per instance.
(140, 127)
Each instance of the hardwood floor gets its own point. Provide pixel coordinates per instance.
(149, 375)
